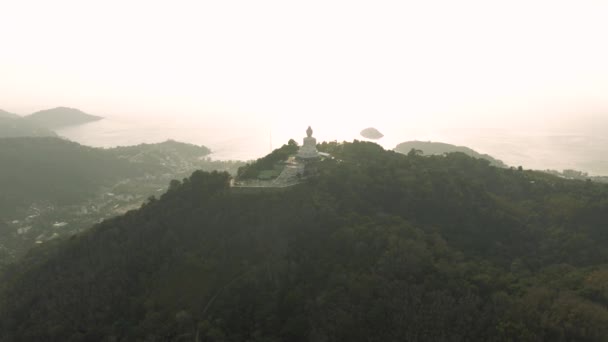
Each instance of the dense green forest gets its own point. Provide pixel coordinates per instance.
(379, 246)
(56, 171)
(430, 148)
(60, 172)
(54, 188)
(270, 164)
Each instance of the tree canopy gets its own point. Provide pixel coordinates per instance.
(61, 172)
(430, 148)
(379, 246)
(269, 162)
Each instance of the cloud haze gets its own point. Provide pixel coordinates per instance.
(432, 61)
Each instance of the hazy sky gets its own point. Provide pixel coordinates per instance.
(334, 60)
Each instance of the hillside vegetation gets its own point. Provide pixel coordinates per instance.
(11, 127)
(53, 188)
(64, 172)
(272, 163)
(54, 170)
(8, 115)
(432, 148)
(379, 246)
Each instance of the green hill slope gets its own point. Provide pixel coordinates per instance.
(18, 127)
(60, 172)
(53, 188)
(8, 115)
(378, 247)
(430, 148)
(54, 170)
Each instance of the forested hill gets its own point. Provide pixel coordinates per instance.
(60, 172)
(8, 115)
(379, 246)
(152, 153)
(430, 148)
(15, 126)
(42, 123)
(54, 170)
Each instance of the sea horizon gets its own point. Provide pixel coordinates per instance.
(539, 150)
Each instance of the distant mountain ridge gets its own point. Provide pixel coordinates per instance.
(42, 123)
(434, 148)
(61, 117)
(12, 125)
(9, 115)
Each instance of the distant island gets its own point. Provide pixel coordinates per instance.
(371, 133)
(61, 117)
(434, 148)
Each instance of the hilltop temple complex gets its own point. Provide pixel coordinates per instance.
(292, 171)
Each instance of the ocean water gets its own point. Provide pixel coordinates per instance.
(238, 140)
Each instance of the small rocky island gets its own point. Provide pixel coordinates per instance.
(371, 133)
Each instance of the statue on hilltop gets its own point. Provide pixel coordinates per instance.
(308, 151)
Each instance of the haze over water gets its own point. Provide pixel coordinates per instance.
(577, 148)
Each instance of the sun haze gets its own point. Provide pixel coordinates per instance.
(416, 61)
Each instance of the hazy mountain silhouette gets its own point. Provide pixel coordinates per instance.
(14, 126)
(435, 148)
(7, 115)
(61, 117)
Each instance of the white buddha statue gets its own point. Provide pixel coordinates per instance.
(309, 148)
